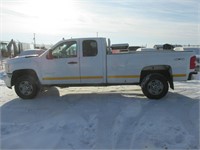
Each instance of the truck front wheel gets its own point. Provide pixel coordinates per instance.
(155, 86)
(26, 87)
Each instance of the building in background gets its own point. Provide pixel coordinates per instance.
(166, 46)
(173, 46)
(13, 48)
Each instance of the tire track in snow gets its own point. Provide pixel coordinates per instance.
(106, 119)
(124, 125)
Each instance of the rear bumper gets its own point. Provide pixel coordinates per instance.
(190, 74)
(7, 80)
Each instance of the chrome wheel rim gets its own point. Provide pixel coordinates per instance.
(155, 87)
(26, 88)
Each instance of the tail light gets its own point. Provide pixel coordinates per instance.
(193, 62)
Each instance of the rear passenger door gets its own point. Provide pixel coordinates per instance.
(91, 62)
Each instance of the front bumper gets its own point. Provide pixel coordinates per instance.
(7, 80)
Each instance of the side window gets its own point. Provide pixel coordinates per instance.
(65, 50)
(89, 48)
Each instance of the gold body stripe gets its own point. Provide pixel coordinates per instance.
(101, 77)
(91, 77)
(61, 78)
(73, 78)
(128, 76)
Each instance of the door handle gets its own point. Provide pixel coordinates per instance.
(72, 62)
(177, 59)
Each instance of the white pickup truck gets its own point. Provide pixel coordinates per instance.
(89, 61)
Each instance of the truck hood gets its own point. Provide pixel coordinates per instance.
(27, 56)
(23, 59)
(20, 62)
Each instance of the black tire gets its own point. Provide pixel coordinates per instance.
(154, 86)
(26, 87)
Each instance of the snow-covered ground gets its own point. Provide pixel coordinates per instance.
(116, 117)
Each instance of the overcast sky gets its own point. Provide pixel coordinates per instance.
(137, 22)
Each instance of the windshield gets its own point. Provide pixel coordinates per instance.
(65, 49)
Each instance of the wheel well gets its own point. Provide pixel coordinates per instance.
(164, 70)
(19, 73)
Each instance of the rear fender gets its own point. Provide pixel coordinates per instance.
(165, 70)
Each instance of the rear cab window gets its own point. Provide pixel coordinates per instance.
(89, 48)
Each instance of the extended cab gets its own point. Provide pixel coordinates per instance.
(90, 61)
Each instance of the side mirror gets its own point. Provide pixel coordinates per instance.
(49, 55)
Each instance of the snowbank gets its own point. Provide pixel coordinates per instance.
(117, 117)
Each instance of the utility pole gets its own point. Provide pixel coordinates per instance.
(34, 40)
(97, 34)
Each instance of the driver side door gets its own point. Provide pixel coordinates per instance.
(63, 67)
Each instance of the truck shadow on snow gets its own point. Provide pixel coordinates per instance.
(100, 120)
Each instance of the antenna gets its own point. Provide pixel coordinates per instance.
(34, 41)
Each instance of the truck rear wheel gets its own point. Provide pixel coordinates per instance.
(26, 87)
(155, 86)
